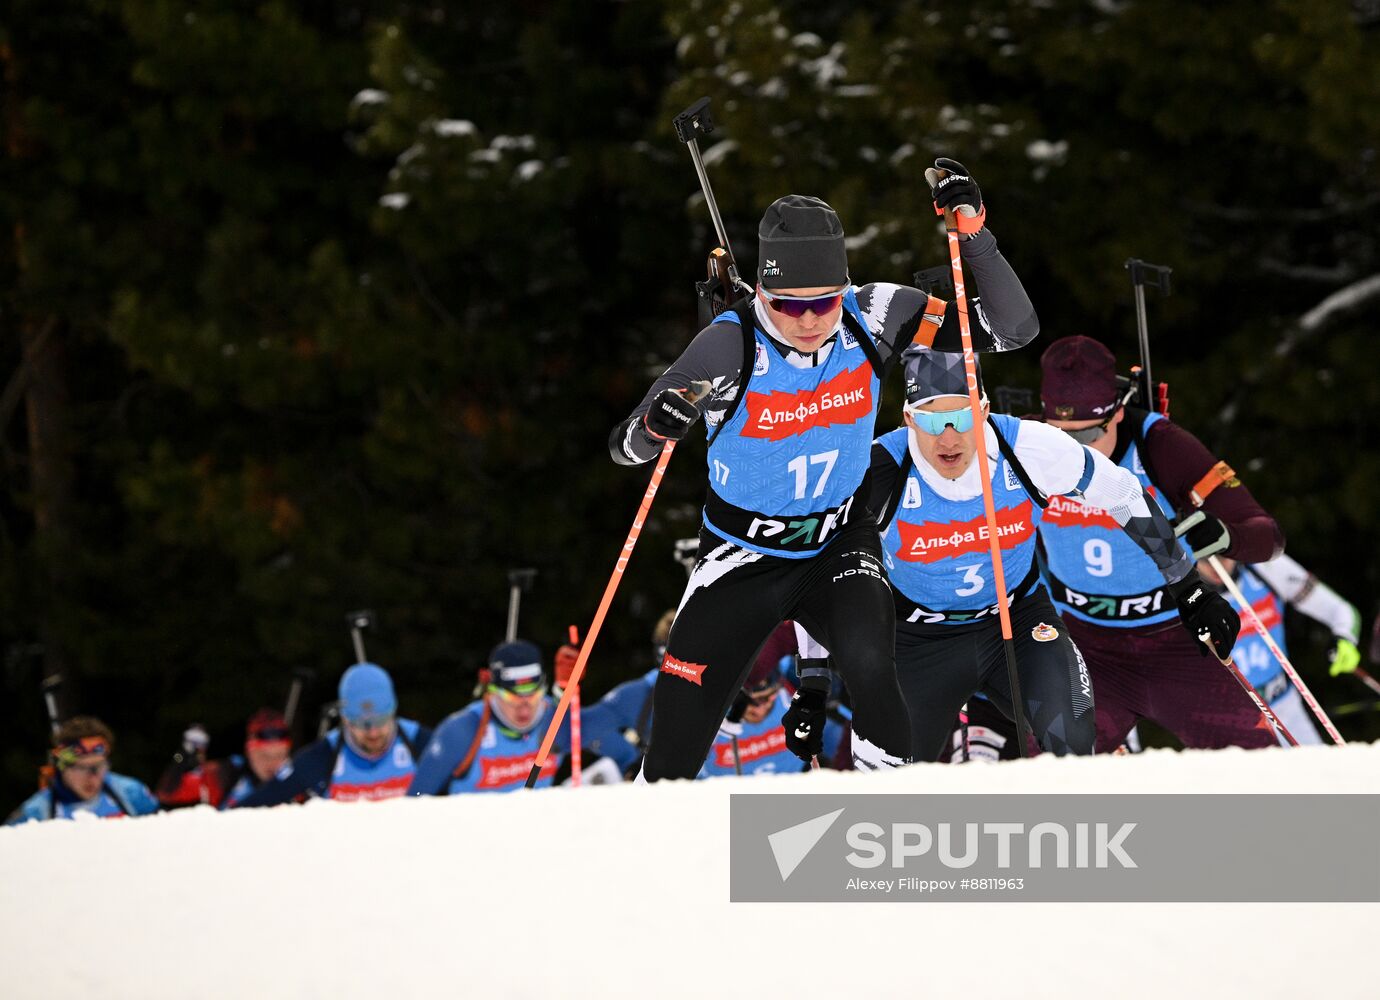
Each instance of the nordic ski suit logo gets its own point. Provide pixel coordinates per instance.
(751, 749)
(960, 845)
(681, 668)
(499, 772)
(844, 399)
(1111, 606)
(1067, 513)
(804, 531)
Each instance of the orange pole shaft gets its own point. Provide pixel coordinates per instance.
(979, 426)
(576, 754)
(984, 476)
(605, 601)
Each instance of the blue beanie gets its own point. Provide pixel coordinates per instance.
(366, 690)
(515, 663)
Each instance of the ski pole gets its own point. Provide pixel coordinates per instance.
(576, 754)
(519, 583)
(964, 743)
(696, 392)
(1367, 680)
(1259, 626)
(1265, 710)
(989, 505)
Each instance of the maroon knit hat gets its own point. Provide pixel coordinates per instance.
(1078, 380)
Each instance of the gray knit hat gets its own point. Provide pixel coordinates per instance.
(936, 373)
(801, 245)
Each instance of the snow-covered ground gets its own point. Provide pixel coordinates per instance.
(623, 891)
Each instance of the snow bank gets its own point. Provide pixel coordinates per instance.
(622, 891)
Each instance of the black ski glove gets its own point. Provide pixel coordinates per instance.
(671, 415)
(804, 720)
(1205, 534)
(1206, 614)
(958, 191)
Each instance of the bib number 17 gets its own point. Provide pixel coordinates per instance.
(800, 465)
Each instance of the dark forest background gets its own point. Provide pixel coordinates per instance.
(310, 306)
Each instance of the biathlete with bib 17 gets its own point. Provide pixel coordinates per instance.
(795, 374)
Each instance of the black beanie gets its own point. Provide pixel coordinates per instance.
(801, 245)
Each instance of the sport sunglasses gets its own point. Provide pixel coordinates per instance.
(1087, 435)
(367, 723)
(934, 421)
(797, 307)
(529, 692)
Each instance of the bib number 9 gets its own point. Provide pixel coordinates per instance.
(1097, 554)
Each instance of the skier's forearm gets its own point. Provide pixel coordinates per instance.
(1325, 605)
(631, 444)
(1310, 595)
(883, 478)
(1253, 539)
(1180, 461)
(1006, 313)
(714, 356)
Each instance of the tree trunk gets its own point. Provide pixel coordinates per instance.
(51, 475)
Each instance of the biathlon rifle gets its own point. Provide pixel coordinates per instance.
(722, 286)
(1152, 395)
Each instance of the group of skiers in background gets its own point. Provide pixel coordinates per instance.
(842, 609)
(374, 753)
